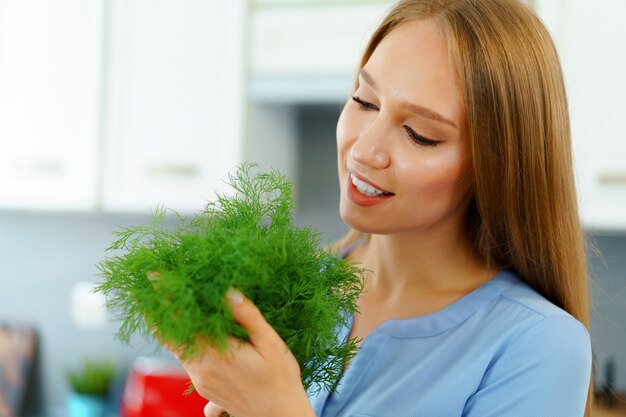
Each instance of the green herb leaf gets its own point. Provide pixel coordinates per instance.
(171, 278)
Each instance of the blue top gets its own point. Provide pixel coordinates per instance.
(501, 350)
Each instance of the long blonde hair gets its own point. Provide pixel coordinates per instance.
(524, 214)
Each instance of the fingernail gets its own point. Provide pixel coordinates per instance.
(235, 297)
(152, 275)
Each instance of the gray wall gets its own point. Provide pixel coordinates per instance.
(607, 270)
(317, 187)
(42, 257)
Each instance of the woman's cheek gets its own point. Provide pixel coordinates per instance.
(445, 177)
(351, 124)
(343, 128)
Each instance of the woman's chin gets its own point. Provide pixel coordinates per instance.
(358, 222)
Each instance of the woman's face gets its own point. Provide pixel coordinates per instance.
(403, 132)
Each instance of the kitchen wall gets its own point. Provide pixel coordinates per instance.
(607, 266)
(43, 255)
(317, 185)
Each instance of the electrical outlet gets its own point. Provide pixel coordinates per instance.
(88, 308)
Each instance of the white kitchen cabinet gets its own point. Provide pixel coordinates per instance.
(50, 70)
(174, 100)
(312, 39)
(590, 39)
(308, 3)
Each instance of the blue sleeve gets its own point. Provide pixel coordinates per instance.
(544, 372)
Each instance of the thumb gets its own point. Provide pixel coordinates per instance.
(212, 410)
(250, 317)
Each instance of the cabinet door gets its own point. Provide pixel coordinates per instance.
(312, 39)
(50, 70)
(174, 102)
(590, 38)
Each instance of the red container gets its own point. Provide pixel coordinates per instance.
(155, 388)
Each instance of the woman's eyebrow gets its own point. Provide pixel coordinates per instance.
(422, 111)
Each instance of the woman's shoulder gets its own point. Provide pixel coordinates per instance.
(519, 296)
(530, 324)
(542, 356)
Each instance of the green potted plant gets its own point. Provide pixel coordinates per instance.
(89, 385)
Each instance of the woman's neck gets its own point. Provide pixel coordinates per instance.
(423, 263)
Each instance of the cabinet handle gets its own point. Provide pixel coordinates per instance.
(612, 179)
(42, 167)
(173, 170)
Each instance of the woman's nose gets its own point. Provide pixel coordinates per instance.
(370, 147)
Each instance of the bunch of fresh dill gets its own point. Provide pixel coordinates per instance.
(172, 280)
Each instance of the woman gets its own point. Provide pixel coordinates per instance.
(455, 171)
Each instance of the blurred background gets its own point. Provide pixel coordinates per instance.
(110, 107)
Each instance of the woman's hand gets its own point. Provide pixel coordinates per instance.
(256, 378)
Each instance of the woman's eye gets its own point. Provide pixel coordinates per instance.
(420, 140)
(364, 104)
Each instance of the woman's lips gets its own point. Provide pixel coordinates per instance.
(359, 177)
(363, 199)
